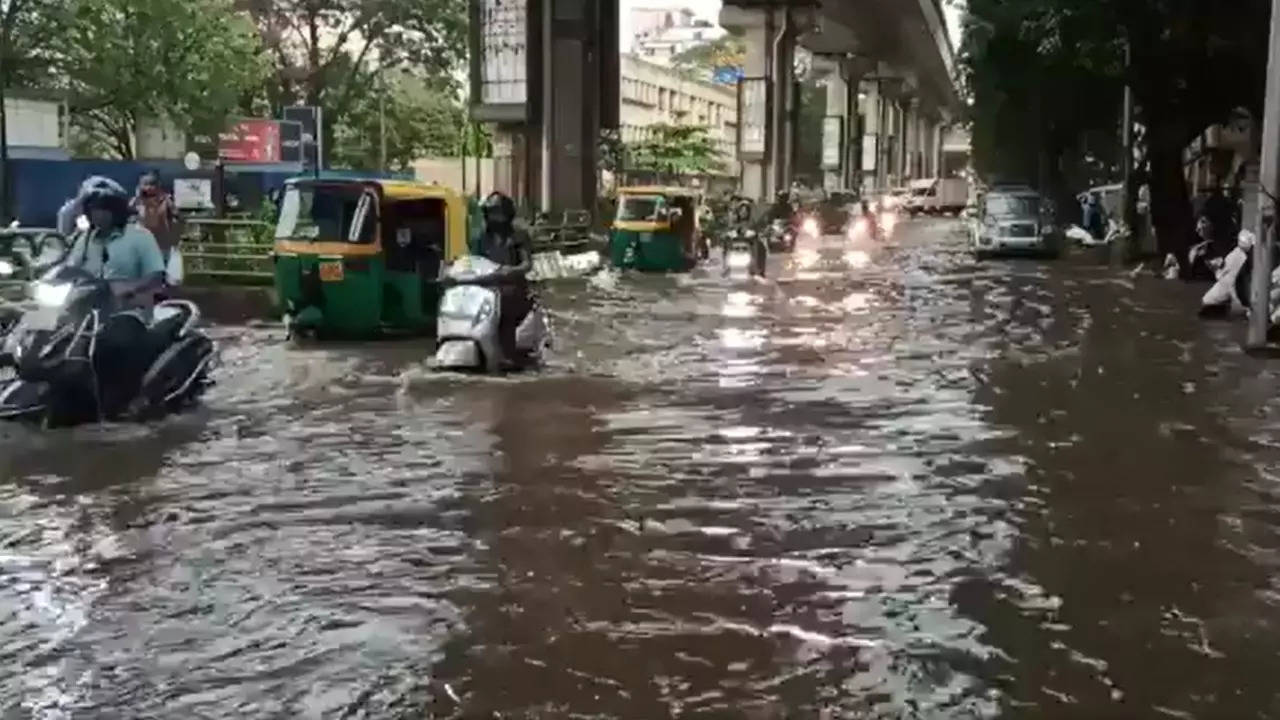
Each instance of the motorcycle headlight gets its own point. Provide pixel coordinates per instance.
(6, 268)
(485, 312)
(810, 226)
(50, 295)
(739, 260)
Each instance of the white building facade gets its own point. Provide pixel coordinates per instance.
(662, 34)
(653, 94)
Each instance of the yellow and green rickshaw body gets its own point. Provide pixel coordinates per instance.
(357, 258)
(645, 237)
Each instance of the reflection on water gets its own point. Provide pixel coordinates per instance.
(883, 483)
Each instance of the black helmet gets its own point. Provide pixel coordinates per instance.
(103, 192)
(499, 210)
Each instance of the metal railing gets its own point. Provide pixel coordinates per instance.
(227, 250)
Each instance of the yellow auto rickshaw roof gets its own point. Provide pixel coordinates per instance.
(391, 189)
(659, 190)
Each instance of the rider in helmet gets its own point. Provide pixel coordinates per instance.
(125, 254)
(509, 246)
(782, 208)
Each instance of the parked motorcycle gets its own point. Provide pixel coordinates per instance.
(469, 321)
(78, 359)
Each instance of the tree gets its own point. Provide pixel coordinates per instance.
(1191, 63)
(127, 60)
(675, 150)
(328, 53)
(703, 59)
(27, 31)
(421, 120)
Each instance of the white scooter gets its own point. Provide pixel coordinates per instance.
(467, 324)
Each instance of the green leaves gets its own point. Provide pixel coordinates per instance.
(675, 150)
(421, 120)
(333, 53)
(127, 60)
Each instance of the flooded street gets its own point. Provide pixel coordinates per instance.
(886, 483)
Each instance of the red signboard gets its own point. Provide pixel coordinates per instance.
(250, 141)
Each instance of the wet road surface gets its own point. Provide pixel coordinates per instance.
(886, 483)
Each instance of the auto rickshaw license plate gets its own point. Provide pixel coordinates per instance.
(331, 271)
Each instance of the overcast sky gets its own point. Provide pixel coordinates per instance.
(710, 9)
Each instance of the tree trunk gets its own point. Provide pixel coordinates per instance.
(1170, 206)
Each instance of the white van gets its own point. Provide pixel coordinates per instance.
(936, 196)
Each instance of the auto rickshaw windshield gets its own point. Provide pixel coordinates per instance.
(323, 212)
(641, 207)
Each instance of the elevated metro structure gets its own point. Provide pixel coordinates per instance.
(889, 69)
(545, 74)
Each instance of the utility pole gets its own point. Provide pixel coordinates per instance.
(1260, 287)
(1129, 196)
(382, 121)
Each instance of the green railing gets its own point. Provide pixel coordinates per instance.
(232, 251)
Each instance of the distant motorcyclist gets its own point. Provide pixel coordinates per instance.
(743, 229)
(511, 247)
(782, 208)
(113, 249)
(872, 219)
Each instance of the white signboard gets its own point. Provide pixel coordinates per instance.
(755, 115)
(832, 142)
(193, 193)
(504, 42)
(869, 143)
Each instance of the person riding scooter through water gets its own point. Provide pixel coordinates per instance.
(124, 254)
(511, 247)
(873, 220)
(742, 222)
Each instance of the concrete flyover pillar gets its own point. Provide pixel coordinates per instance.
(843, 126)
(869, 166)
(767, 94)
(545, 72)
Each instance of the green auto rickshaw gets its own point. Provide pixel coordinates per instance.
(359, 258)
(656, 229)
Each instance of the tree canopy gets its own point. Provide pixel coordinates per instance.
(675, 150)
(128, 60)
(1046, 78)
(336, 53)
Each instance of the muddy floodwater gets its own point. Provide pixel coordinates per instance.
(889, 482)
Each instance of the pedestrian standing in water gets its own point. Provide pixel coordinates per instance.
(156, 211)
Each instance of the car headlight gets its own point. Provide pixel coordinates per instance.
(50, 295)
(810, 226)
(6, 268)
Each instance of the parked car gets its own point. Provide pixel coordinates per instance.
(1013, 221)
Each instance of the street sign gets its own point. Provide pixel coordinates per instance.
(291, 148)
(753, 114)
(255, 141)
(726, 75)
(832, 142)
(311, 120)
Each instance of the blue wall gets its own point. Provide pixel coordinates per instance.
(41, 186)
